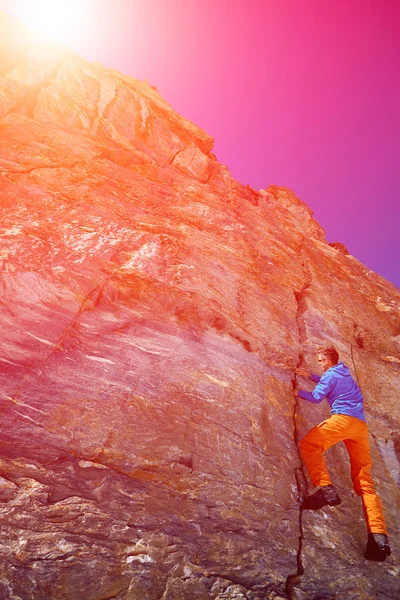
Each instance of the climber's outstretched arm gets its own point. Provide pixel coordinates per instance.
(322, 389)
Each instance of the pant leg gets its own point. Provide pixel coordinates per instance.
(317, 441)
(361, 462)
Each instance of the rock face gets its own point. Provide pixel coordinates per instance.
(153, 311)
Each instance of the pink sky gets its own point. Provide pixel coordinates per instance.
(300, 93)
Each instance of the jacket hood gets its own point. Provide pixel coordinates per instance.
(341, 369)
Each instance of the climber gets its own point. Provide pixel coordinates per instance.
(347, 424)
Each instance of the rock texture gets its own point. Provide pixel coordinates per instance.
(153, 311)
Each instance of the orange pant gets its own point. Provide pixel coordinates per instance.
(354, 433)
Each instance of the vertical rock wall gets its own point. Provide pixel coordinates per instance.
(153, 311)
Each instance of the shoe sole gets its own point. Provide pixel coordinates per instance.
(332, 503)
(381, 555)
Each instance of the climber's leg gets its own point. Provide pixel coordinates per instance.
(361, 462)
(312, 447)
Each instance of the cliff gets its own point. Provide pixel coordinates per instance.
(153, 311)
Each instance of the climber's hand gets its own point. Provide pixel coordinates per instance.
(300, 371)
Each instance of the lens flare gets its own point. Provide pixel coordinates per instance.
(61, 21)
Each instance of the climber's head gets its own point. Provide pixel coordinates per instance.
(327, 357)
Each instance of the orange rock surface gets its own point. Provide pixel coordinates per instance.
(153, 311)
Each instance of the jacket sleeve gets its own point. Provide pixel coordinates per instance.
(315, 378)
(322, 389)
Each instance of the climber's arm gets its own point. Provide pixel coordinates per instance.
(322, 389)
(305, 373)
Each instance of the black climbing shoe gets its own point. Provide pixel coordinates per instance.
(378, 548)
(325, 495)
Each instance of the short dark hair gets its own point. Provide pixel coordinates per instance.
(330, 353)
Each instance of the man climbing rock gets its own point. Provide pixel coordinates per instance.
(347, 424)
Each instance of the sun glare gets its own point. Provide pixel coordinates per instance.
(61, 21)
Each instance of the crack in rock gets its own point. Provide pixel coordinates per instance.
(299, 472)
(360, 344)
(301, 484)
(38, 167)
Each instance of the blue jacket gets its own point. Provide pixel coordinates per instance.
(339, 388)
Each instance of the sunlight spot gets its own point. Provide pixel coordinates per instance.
(61, 21)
